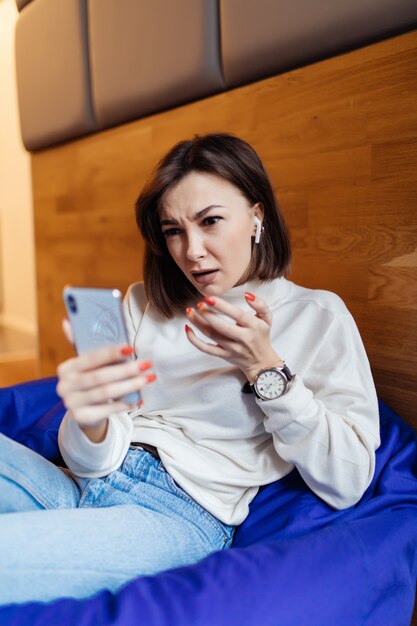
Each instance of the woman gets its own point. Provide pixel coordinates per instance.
(254, 376)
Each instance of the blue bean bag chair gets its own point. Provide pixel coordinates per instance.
(294, 561)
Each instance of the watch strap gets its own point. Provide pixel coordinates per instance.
(286, 370)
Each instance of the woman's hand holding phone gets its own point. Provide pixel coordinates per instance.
(99, 381)
(91, 384)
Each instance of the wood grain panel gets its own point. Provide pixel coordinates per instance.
(18, 369)
(339, 139)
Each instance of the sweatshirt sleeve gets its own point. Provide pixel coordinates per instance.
(94, 460)
(327, 424)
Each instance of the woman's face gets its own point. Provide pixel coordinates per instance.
(208, 225)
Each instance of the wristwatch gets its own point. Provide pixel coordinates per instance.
(272, 382)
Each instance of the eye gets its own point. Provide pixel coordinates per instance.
(171, 232)
(211, 220)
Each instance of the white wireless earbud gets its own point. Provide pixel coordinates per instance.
(258, 229)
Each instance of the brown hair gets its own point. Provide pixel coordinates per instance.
(234, 160)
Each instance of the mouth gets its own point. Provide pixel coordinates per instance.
(204, 276)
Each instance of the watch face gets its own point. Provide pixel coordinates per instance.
(271, 384)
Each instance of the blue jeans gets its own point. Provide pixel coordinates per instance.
(65, 537)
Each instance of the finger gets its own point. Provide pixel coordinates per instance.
(95, 359)
(203, 324)
(260, 307)
(241, 317)
(111, 391)
(215, 350)
(212, 325)
(66, 327)
(90, 415)
(236, 313)
(80, 381)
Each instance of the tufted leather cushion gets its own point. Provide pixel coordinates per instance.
(266, 37)
(148, 56)
(52, 70)
(22, 3)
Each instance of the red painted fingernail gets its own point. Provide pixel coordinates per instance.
(126, 351)
(249, 296)
(200, 305)
(188, 310)
(187, 328)
(211, 301)
(145, 365)
(150, 378)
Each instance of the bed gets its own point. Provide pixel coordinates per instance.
(294, 560)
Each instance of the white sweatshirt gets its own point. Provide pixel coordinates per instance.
(220, 444)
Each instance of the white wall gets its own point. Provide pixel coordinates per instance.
(17, 265)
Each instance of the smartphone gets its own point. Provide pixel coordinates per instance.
(97, 320)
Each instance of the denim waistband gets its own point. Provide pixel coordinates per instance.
(146, 446)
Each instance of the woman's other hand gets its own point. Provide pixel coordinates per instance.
(246, 343)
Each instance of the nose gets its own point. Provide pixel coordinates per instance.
(195, 247)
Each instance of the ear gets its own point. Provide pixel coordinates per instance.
(258, 213)
(258, 229)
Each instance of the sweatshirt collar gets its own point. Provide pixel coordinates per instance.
(271, 291)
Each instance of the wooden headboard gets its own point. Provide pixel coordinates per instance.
(339, 139)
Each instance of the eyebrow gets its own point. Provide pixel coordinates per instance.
(196, 215)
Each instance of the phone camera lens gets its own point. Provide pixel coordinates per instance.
(72, 304)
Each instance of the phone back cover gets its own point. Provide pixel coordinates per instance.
(98, 321)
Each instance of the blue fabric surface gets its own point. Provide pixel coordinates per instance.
(31, 413)
(295, 560)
